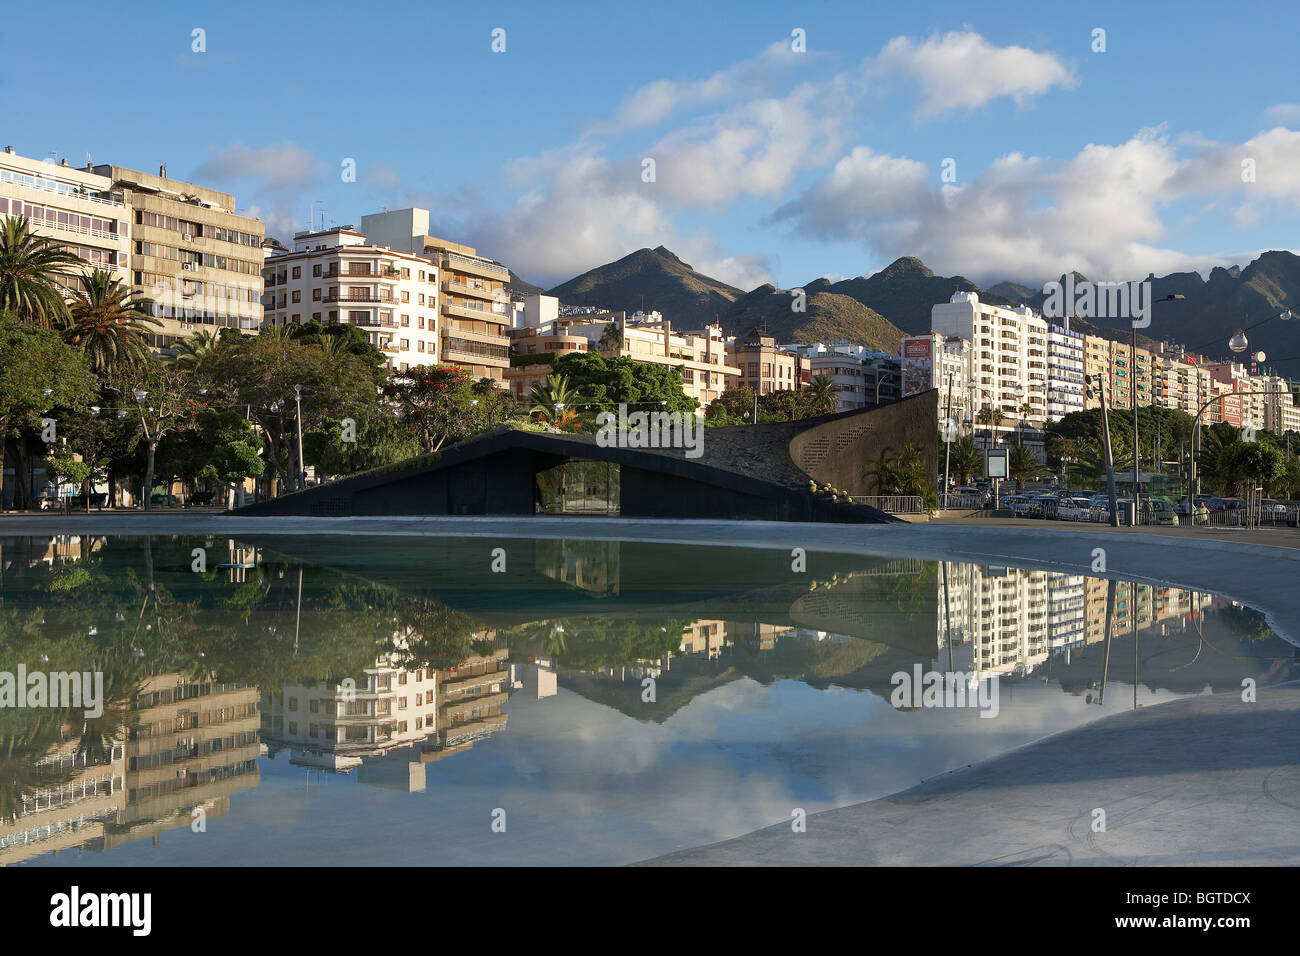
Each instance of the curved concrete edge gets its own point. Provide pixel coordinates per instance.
(1261, 576)
(1207, 780)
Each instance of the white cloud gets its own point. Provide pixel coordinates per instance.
(1285, 114)
(963, 71)
(1030, 218)
(283, 165)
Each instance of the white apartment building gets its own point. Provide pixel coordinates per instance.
(75, 207)
(1065, 368)
(1280, 413)
(338, 277)
(1008, 354)
(845, 365)
(474, 307)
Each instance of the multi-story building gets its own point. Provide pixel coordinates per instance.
(764, 367)
(1281, 414)
(1009, 353)
(933, 361)
(475, 307)
(532, 352)
(1065, 370)
(77, 208)
(339, 277)
(701, 355)
(191, 253)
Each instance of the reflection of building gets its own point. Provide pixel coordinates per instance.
(71, 813)
(188, 745)
(333, 726)
(340, 727)
(192, 744)
(1008, 620)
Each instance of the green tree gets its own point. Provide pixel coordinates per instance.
(435, 402)
(380, 440)
(65, 469)
(161, 398)
(34, 274)
(821, 397)
(258, 374)
(1247, 464)
(731, 407)
(39, 373)
(1022, 464)
(191, 351)
(109, 323)
(966, 461)
(604, 383)
(553, 402)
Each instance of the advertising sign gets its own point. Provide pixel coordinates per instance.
(995, 463)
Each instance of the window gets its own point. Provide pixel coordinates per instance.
(406, 320)
(315, 295)
(401, 703)
(421, 298)
(420, 345)
(421, 321)
(297, 295)
(406, 297)
(401, 680)
(315, 316)
(315, 270)
(293, 727)
(405, 345)
(293, 703)
(314, 706)
(297, 272)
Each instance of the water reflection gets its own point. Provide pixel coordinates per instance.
(381, 660)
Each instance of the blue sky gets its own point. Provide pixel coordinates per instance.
(770, 164)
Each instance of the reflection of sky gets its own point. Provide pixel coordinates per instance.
(582, 783)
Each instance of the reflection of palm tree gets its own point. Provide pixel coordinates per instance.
(21, 752)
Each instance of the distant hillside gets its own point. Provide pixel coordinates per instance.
(1212, 309)
(828, 317)
(519, 289)
(905, 291)
(656, 279)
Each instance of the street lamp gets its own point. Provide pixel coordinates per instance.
(302, 466)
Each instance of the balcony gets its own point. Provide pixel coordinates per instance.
(354, 296)
(479, 267)
(478, 292)
(483, 315)
(383, 272)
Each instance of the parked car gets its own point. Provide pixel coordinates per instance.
(1044, 506)
(1099, 508)
(1074, 509)
(1158, 511)
(1019, 505)
(1270, 509)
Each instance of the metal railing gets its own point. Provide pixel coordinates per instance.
(891, 504)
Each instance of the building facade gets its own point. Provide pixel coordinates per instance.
(191, 253)
(338, 277)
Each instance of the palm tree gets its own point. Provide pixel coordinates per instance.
(109, 323)
(192, 350)
(553, 401)
(967, 460)
(32, 270)
(1022, 465)
(988, 415)
(821, 397)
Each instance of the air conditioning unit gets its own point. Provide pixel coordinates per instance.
(187, 266)
(188, 236)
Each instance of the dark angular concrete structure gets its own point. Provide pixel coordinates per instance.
(745, 472)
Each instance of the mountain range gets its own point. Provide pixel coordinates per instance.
(878, 310)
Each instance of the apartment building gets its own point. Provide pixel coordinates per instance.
(533, 350)
(932, 361)
(1281, 414)
(862, 376)
(191, 253)
(764, 366)
(339, 277)
(77, 208)
(475, 308)
(1009, 353)
(1065, 371)
(701, 355)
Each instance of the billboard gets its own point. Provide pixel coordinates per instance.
(995, 463)
(917, 348)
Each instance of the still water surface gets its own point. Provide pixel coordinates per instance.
(361, 700)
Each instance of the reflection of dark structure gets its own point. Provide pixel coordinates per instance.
(759, 472)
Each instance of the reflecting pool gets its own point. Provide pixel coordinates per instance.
(398, 701)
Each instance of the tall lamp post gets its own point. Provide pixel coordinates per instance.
(302, 465)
